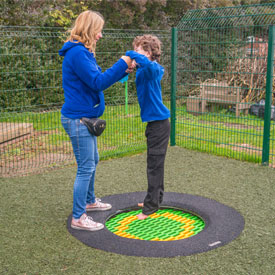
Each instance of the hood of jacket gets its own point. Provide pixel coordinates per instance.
(69, 45)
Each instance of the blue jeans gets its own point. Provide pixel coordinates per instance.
(87, 157)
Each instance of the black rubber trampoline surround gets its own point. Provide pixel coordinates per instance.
(222, 225)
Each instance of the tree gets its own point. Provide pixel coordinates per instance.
(118, 14)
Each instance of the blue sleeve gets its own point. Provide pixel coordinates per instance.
(151, 68)
(87, 70)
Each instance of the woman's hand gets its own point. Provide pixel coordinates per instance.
(132, 67)
(128, 60)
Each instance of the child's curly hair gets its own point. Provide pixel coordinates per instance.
(149, 43)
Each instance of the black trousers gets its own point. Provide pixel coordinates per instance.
(157, 133)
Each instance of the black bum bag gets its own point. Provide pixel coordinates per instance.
(95, 126)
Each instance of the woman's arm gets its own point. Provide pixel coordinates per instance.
(87, 70)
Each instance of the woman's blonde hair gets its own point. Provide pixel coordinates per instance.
(87, 25)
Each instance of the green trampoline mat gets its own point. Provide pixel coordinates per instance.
(166, 224)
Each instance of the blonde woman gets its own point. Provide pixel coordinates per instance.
(83, 84)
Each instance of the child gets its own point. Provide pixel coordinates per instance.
(147, 51)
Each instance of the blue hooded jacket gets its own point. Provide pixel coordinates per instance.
(148, 78)
(84, 82)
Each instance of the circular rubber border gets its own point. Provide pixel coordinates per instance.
(222, 225)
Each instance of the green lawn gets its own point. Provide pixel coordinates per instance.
(219, 133)
(224, 134)
(124, 131)
(34, 210)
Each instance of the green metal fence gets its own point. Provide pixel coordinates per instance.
(219, 76)
(222, 67)
(31, 95)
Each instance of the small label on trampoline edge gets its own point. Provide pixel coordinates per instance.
(215, 243)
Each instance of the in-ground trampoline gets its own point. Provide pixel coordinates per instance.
(185, 225)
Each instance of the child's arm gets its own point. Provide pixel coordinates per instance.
(151, 68)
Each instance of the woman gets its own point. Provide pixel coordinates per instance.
(83, 83)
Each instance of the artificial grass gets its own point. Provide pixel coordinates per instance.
(34, 210)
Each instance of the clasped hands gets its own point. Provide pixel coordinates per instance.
(130, 62)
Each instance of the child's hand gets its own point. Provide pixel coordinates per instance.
(132, 67)
(129, 70)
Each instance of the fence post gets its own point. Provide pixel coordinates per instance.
(268, 95)
(173, 85)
